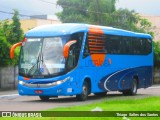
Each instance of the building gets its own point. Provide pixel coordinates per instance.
(155, 20)
(38, 20)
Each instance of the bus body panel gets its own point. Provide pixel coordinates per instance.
(115, 74)
(69, 87)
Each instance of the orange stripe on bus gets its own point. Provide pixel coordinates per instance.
(95, 33)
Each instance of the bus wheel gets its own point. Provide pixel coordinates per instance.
(133, 90)
(100, 94)
(83, 96)
(44, 98)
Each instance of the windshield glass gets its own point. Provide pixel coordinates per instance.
(42, 56)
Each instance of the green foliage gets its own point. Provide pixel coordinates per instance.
(157, 54)
(16, 31)
(10, 33)
(83, 11)
(4, 55)
(102, 12)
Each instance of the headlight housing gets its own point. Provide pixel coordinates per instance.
(33, 85)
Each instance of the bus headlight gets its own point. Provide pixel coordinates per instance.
(21, 82)
(60, 81)
(33, 85)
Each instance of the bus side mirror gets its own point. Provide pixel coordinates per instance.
(66, 48)
(13, 48)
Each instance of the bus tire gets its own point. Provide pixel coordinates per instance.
(100, 94)
(85, 90)
(44, 98)
(133, 89)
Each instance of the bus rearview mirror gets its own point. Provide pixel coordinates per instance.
(13, 48)
(66, 48)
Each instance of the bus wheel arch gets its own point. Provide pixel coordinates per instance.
(133, 87)
(86, 90)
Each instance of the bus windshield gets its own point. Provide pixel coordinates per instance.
(42, 56)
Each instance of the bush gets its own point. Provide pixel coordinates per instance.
(5, 53)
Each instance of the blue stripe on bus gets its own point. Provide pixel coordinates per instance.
(114, 81)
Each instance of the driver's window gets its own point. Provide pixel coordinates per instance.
(75, 49)
(71, 58)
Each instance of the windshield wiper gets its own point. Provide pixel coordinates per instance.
(43, 63)
(38, 63)
(33, 66)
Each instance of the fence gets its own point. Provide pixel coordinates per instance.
(8, 77)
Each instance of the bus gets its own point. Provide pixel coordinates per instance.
(79, 59)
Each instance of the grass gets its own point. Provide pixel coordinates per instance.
(136, 104)
(143, 104)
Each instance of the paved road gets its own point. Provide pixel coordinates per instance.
(11, 101)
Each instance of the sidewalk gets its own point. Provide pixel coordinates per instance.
(8, 92)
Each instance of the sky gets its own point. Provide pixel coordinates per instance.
(148, 7)
(39, 7)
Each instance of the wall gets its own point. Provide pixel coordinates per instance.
(32, 23)
(8, 78)
(157, 77)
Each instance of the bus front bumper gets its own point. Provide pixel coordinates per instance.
(41, 90)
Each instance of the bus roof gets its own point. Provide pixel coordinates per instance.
(69, 28)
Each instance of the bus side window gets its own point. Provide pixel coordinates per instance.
(86, 48)
(146, 46)
(128, 45)
(110, 45)
(136, 46)
(113, 44)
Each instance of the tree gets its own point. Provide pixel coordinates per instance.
(5, 31)
(85, 11)
(102, 12)
(130, 20)
(16, 32)
(10, 33)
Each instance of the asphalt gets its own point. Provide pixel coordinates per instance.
(12, 101)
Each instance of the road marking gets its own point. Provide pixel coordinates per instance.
(11, 95)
